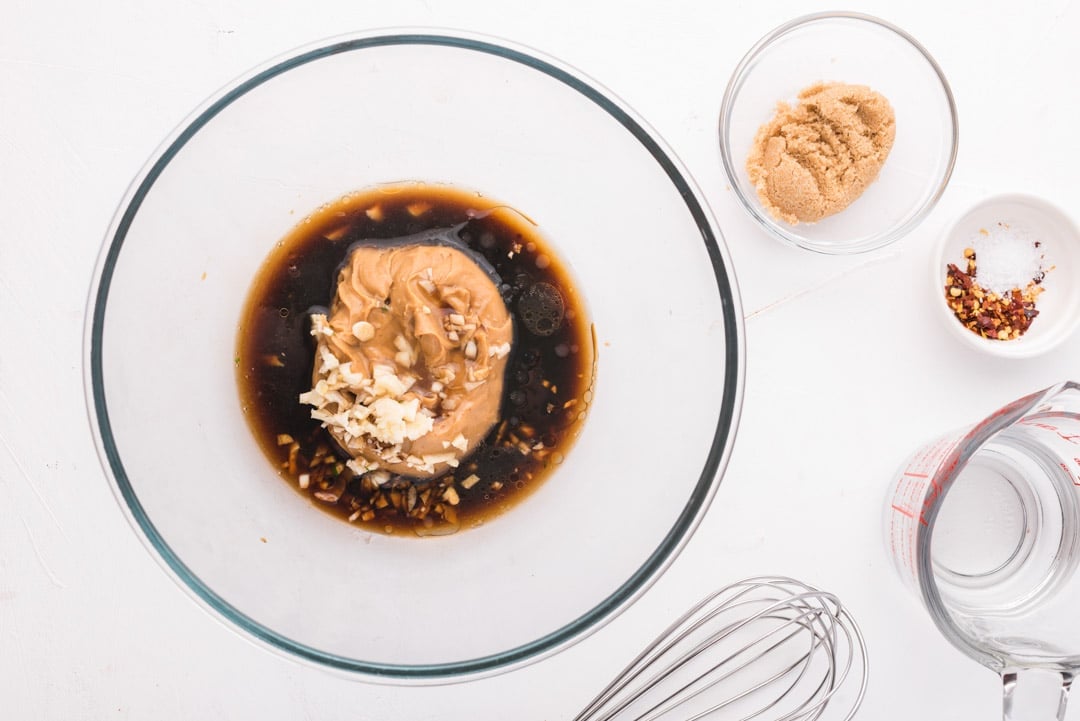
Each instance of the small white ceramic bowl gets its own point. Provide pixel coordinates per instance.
(1059, 303)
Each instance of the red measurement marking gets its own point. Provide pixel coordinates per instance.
(903, 511)
(1073, 438)
(915, 475)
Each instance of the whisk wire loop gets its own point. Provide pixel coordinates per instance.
(767, 647)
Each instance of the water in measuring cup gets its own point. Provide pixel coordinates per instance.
(1006, 542)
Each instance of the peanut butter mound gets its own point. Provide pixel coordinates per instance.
(409, 366)
(815, 159)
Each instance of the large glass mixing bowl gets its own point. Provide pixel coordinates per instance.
(347, 114)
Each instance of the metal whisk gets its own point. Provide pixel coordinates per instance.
(768, 648)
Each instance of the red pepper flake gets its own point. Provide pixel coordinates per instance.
(991, 315)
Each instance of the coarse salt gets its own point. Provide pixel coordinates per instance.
(1006, 258)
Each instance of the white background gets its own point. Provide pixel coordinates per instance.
(848, 370)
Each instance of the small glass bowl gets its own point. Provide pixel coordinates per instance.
(860, 50)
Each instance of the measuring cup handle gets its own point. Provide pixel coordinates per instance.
(1035, 694)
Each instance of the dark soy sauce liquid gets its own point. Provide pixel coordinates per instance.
(548, 377)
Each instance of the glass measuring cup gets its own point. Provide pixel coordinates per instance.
(983, 524)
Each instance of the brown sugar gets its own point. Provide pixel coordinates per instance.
(815, 159)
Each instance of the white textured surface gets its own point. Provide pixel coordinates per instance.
(843, 379)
